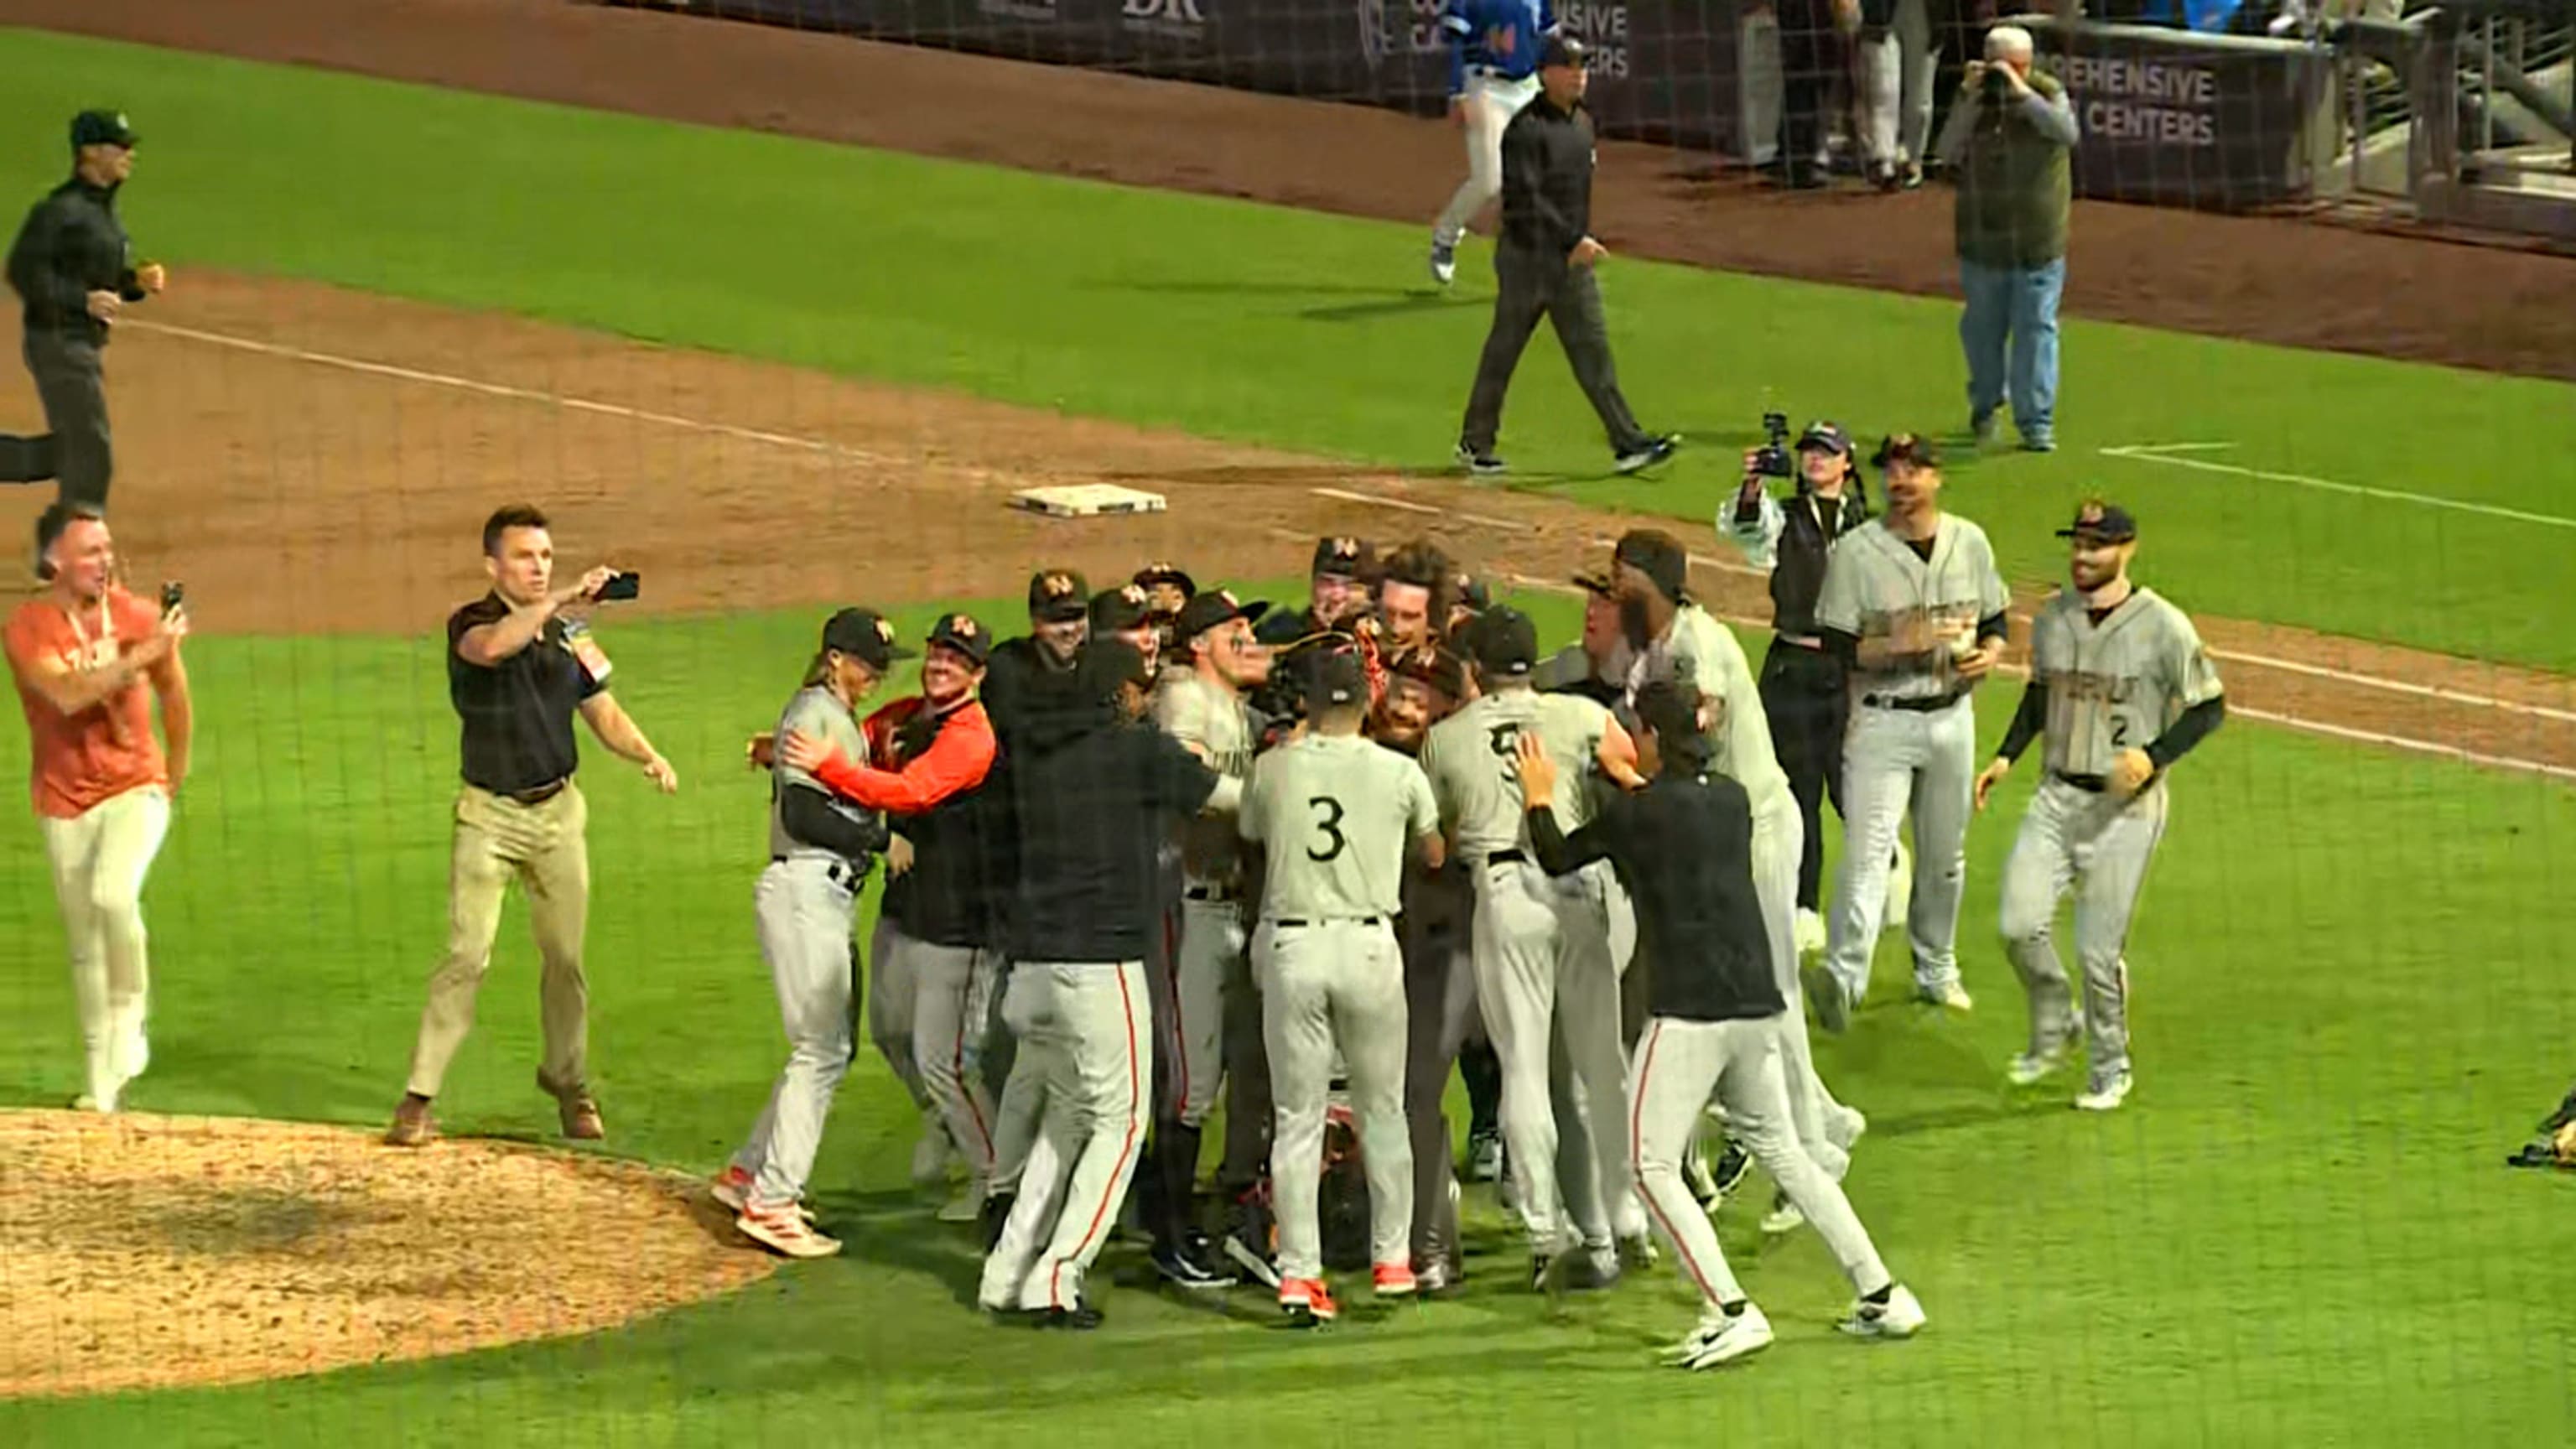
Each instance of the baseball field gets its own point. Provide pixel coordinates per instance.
(775, 373)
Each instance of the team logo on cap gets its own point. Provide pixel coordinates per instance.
(1132, 594)
(885, 631)
(961, 626)
(2089, 514)
(1056, 586)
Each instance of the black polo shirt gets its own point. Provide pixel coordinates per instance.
(517, 714)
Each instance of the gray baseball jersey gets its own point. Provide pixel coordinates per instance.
(1877, 587)
(1337, 813)
(816, 712)
(2118, 684)
(1472, 758)
(1702, 653)
(1219, 726)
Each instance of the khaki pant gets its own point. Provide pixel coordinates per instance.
(100, 858)
(541, 845)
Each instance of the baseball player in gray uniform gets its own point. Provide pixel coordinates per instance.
(1915, 608)
(2120, 688)
(1336, 812)
(1542, 947)
(1677, 642)
(820, 849)
(1204, 709)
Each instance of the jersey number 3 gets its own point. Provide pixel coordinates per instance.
(1328, 823)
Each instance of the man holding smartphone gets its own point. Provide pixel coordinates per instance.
(83, 653)
(517, 672)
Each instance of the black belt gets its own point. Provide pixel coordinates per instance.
(537, 796)
(2089, 784)
(838, 872)
(1213, 895)
(1300, 922)
(1513, 856)
(1913, 703)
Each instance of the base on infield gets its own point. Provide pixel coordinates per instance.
(1086, 500)
(156, 1252)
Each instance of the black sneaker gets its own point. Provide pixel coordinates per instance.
(1185, 1265)
(1732, 1163)
(1480, 462)
(1081, 1317)
(1649, 453)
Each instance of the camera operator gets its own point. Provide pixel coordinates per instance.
(2008, 140)
(1803, 686)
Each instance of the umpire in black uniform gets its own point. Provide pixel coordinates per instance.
(1543, 268)
(74, 270)
(1802, 685)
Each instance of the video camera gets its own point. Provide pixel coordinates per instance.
(1772, 459)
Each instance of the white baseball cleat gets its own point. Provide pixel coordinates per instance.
(1949, 994)
(967, 1206)
(1899, 1317)
(2106, 1096)
(784, 1230)
(931, 1154)
(1444, 261)
(732, 1189)
(1825, 994)
(1900, 892)
(1722, 1338)
(1809, 933)
(1784, 1217)
(2030, 1068)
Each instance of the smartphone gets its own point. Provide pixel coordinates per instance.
(622, 586)
(172, 595)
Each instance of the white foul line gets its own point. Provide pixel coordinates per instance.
(2145, 453)
(2163, 453)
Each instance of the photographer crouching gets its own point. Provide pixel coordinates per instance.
(2008, 140)
(1803, 686)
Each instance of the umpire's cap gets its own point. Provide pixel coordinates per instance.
(960, 632)
(1564, 50)
(1058, 596)
(2101, 522)
(102, 128)
(864, 635)
(1504, 642)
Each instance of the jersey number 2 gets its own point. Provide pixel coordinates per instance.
(1328, 822)
(2119, 733)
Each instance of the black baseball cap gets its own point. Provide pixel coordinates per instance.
(1437, 668)
(1057, 596)
(1106, 665)
(102, 128)
(1564, 50)
(1343, 558)
(1217, 606)
(1659, 556)
(1911, 448)
(1124, 607)
(1597, 584)
(1153, 574)
(1829, 437)
(1473, 595)
(1336, 677)
(2102, 522)
(961, 633)
(1504, 642)
(865, 636)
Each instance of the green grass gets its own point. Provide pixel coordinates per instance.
(2297, 1234)
(1309, 332)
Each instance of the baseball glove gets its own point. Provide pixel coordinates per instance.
(2556, 1144)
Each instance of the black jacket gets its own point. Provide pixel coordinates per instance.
(1808, 529)
(72, 245)
(1547, 178)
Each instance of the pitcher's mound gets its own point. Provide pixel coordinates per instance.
(145, 1252)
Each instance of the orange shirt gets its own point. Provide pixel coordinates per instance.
(108, 748)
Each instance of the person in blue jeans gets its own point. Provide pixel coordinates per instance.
(2009, 141)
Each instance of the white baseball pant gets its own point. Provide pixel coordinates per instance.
(1490, 103)
(804, 906)
(1897, 70)
(1543, 963)
(1023, 997)
(1090, 1031)
(1329, 984)
(100, 858)
(1189, 1005)
(1779, 838)
(2098, 845)
(1679, 1063)
(1893, 759)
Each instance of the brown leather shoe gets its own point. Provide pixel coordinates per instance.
(413, 1126)
(578, 1110)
